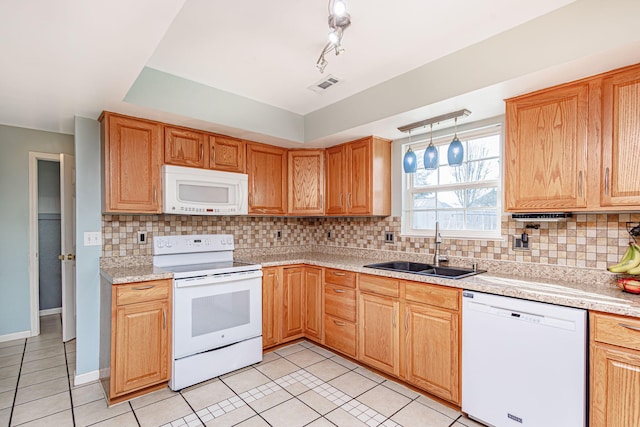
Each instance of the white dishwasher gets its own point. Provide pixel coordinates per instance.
(524, 363)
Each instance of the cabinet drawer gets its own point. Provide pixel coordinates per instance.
(143, 291)
(340, 335)
(340, 302)
(433, 295)
(616, 330)
(340, 277)
(379, 285)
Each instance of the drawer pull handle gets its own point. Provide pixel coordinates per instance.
(338, 323)
(406, 323)
(394, 318)
(633, 328)
(606, 182)
(337, 273)
(339, 291)
(142, 288)
(201, 155)
(164, 318)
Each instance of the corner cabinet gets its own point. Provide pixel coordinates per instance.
(132, 158)
(574, 147)
(267, 170)
(306, 182)
(615, 370)
(138, 332)
(358, 178)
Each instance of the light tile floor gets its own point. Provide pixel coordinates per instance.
(297, 385)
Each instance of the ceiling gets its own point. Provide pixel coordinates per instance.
(76, 58)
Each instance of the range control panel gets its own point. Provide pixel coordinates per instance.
(163, 245)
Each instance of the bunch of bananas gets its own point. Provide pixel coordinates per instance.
(630, 262)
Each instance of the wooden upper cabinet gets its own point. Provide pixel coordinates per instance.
(267, 169)
(184, 147)
(306, 182)
(620, 174)
(359, 178)
(546, 149)
(132, 153)
(336, 179)
(226, 154)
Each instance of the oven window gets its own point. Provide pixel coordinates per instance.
(203, 193)
(215, 313)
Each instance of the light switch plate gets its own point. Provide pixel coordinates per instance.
(92, 238)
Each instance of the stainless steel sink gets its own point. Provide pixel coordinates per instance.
(426, 269)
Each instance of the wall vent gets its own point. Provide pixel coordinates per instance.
(321, 86)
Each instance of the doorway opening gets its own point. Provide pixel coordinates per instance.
(52, 240)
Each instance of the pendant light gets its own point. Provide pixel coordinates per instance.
(410, 161)
(455, 154)
(431, 154)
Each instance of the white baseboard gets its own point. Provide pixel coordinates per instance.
(47, 312)
(89, 377)
(15, 336)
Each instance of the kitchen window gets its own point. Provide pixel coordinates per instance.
(466, 200)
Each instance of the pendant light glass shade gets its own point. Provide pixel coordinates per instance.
(455, 155)
(410, 161)
(431, 160)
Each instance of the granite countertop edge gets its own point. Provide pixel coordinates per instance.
(598, 297)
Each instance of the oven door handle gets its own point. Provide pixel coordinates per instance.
(217, 279)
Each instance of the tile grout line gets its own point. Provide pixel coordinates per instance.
(190, 407)
(66, 364)
(15, 392)
(134, 413)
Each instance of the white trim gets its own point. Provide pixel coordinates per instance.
(49, 311)
(89, 377)
(34, 286)
(15, 336)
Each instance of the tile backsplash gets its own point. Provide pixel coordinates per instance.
(585, 240)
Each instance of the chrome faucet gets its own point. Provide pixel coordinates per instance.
(436, 256)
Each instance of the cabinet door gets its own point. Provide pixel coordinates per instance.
(142, 346)
(621, 139)
(615, 387)
(431, 345)
(336, 175)
(132, 162)
(306, 182)
(359, 196)
(292, 297)
(378, 345)
(271, 288)
(184, 147)
(313, 302)
(546, 150)
(226, 154)
(267, 169)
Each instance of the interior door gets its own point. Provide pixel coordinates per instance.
(68, 246)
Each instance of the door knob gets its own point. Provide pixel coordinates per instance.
(70, 257)
(61, 257)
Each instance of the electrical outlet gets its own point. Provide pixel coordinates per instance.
(388, 237)
(92, 238)
(278, 234)
(519, 244)
(142, 237)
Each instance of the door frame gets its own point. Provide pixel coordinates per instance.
(34, 272)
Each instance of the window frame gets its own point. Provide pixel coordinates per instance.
(408, 190)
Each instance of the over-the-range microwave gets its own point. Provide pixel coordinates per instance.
(192, 191)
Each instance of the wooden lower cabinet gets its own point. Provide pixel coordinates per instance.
(291, 304)
(137, 346)
(313, 303)
(340, 335)
(431, 350)
(615, 371)
(378, 343)
(271, 303)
